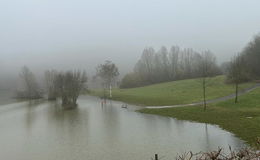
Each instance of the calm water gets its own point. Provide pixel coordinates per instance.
(41, 130)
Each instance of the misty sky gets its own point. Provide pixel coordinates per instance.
(76, 34)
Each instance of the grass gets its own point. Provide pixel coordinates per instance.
(242, 119)
(176, 92)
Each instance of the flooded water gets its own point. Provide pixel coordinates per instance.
(40, 130)
(6, 97)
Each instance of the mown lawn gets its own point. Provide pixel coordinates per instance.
(176, 92)
(242, 119)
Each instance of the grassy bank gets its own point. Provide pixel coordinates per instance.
(176, 92)
(242, 119)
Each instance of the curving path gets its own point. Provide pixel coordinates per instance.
(244, 91)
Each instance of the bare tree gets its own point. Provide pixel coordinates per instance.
(174, 62)
(108, 73)
(30, 89)
(251, 55)
(237, 73)
(51, 84)
(164, 58)
(207, 68)
(145, 66)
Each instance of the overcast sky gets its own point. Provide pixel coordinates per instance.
(81, 33)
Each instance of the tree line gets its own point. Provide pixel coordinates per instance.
(169, 65)
(177, 64)
(65, 85)
(245, 66)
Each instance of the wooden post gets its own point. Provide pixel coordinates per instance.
(156, 157)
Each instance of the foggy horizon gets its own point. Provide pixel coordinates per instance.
(82, 34)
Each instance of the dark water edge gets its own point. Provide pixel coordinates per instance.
(7, 97)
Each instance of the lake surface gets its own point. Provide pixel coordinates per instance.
(40, 130)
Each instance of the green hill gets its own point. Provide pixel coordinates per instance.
(176, 92)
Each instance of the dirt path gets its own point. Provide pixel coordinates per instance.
(244, 91)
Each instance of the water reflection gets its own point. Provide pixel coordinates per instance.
(207, 141)
(43, 130)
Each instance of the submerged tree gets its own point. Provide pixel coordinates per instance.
(69, 85)
(66, 85)
(108, 72)
(30, 87)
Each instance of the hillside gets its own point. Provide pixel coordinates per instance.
(176, 92)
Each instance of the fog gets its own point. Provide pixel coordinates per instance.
(79, 34)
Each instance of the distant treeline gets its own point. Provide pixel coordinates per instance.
(176, 64)
(245, 65)
(169, 65)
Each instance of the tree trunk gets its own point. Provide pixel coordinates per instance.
(204, 93)
(74, 101)
(110, 91)
(64, 101)
(236, 98)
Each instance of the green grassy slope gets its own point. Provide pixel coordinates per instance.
(242, 118)
(176, 92)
